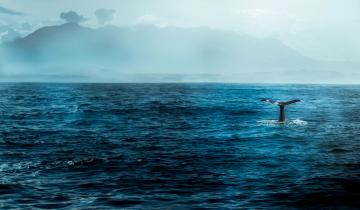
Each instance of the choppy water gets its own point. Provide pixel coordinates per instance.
(178, 146)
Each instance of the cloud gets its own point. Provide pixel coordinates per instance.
(104, 15)
(151, 20)
(7, 33)
(10, 36)
(72, 17)
(4, 28)
(254, 13)
(9, 11)
(26, 27)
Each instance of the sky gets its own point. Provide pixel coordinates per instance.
(322, 29)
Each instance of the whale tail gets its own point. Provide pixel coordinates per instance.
(281, 106)
(292, 102)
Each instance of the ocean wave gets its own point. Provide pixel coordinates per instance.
(111, 146)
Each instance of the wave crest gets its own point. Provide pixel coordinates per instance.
(296, 122)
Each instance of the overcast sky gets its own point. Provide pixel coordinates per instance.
(324, 29)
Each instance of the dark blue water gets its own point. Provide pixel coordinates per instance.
(178, 146)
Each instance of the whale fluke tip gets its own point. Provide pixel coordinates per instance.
(292, 101)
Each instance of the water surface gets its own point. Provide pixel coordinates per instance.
(178, 146)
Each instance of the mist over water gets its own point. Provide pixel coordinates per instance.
(145, 146)
(148, 53)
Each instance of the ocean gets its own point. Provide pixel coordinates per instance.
(178, 146)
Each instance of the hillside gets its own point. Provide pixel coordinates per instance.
(112, 52)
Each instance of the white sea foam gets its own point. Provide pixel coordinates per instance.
(269, 122)
(296, 122)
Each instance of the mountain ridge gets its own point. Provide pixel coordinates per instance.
(144, 49)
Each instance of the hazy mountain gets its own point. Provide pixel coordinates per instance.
(152, 54)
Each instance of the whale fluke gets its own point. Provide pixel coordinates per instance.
(281, 106)
(292, 102)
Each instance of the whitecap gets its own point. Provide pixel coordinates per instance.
(269, 122)
(296, 122)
